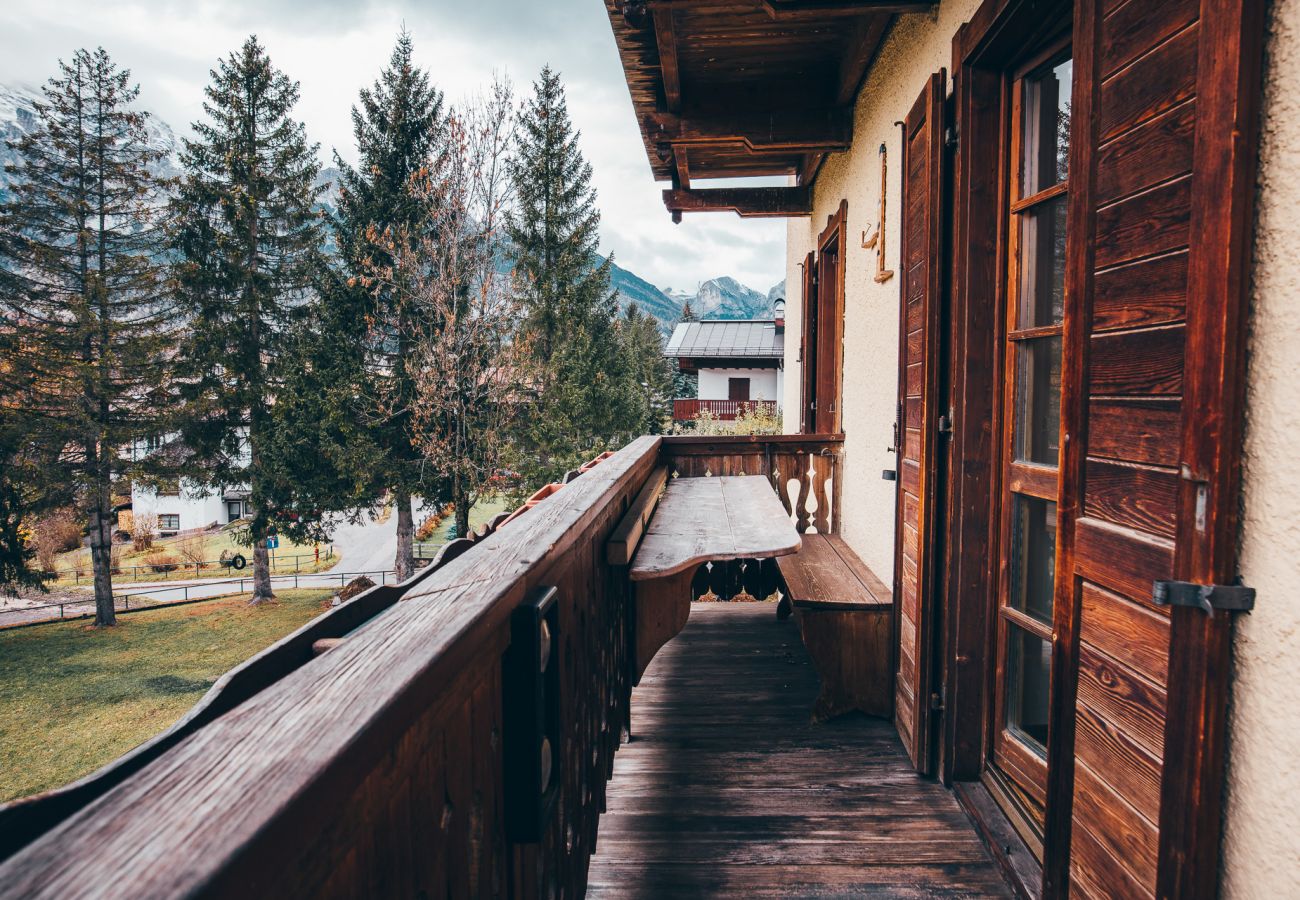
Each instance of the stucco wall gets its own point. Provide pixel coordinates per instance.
(919, 45)
(713, 383)
(1262, 837)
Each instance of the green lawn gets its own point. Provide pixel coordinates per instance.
(73, 698)
(212, 545)
(479, 515)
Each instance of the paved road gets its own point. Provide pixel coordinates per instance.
(367, 546)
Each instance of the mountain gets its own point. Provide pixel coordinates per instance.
(632, 288)
(718, 298)
(18, 117)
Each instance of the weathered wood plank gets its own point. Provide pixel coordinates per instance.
(703, 519)
(729, 790)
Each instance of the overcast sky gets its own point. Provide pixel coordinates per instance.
(334, 47)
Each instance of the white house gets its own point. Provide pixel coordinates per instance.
(736, 361)
(184, 504)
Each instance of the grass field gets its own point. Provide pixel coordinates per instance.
(73, 698)
(479, 515)
(211, 546)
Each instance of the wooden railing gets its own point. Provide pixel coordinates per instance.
(726, 410)
(376, 769)
(379, 767)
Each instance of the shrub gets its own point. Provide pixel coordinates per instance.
(192, 550)
(55, 533)
(142, 528)
(159, 561)
(115, 559)
(756, 418)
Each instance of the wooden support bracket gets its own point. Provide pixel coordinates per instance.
(662, 608)
(767, 202)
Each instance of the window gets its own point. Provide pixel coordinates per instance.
(737, 388)
(1032, 419)
(169, 522)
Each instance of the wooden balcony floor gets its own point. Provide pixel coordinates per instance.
(728, 790)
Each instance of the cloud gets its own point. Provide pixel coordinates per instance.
(335, 47)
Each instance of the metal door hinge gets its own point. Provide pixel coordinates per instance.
(945, 423)
(1209, 597)
(936, 701)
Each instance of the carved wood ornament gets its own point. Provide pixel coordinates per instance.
(876, 238)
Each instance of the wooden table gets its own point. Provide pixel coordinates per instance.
(700, 520)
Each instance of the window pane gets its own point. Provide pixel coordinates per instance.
(1033, 555)
(1029, 667)
(1046, 136)
(1042, 264)
(1038, 400)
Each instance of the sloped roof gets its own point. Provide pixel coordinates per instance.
(732, 338)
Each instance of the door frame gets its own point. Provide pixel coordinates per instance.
(986, 53)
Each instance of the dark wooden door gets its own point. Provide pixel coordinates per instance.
(737, 388)
(919, 361)
(808, 348)
(1151, 425)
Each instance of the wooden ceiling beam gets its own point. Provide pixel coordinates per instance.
(788, 12)
(666, 39)
(682, 162)
(864, 41)
(806, 131)
(761, 202)
(808, 171)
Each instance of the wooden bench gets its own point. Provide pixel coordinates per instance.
(845, 615)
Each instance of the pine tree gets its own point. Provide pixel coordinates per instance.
(570, 310)
(399, 129)
(83, 304)
(249, 242)
(688, 314)
(650, 372)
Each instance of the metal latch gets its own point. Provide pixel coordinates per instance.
(1209, 597)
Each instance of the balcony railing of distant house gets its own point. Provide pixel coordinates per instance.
(448, 736)
(684, 410)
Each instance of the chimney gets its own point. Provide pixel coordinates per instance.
(778, 313)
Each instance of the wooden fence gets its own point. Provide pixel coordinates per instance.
(726, 410)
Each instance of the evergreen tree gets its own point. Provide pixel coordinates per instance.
(686, 385)
(650, 372)
(249, 242)
(83, 303)
(399, 129)
(583, 401)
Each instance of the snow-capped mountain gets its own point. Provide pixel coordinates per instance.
(18, 117)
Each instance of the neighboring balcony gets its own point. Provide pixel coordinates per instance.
(685, 410)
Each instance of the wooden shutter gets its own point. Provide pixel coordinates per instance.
(919, 360)
(808, 348)
(830, 321)
(1161, 187)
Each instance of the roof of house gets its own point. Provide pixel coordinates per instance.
(731, 338)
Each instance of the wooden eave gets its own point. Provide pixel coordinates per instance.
(744, 88)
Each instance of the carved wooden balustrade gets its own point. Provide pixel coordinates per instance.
(379, 767)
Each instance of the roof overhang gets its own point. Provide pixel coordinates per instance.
(746, 88)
